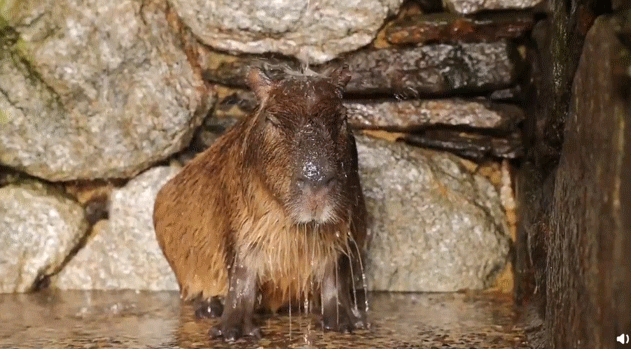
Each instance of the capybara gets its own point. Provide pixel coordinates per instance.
(272, 214)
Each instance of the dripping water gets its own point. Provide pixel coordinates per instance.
(290, 329)
(361, 267)
(321, 301)
(350, 262)
(310, 290)
(337, 298)
(349, 253)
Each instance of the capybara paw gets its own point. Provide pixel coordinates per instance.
(338, 323)
(233, 332)
(209, 309)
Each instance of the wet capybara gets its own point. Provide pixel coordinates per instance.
(272, 214)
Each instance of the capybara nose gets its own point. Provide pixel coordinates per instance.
(315, 178)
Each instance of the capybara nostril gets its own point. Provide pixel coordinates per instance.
(316, 180)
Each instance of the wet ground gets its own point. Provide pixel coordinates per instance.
(157, 320)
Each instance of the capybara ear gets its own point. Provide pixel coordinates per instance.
(260, 83)
(340, 76)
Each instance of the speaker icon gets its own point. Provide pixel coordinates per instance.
(623, 339)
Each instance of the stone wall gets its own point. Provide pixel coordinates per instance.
(102, 102)
(573, 187)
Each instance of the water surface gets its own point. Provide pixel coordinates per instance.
(128, 319)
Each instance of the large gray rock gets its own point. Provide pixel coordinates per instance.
(123, 252)
(315, 31)
(435, 227)
(93, 89)
(473, 6)
(38, 229)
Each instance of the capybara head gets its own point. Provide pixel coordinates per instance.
(300, 145)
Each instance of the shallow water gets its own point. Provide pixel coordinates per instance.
(128, 319)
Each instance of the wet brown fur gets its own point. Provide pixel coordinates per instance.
(232, 199)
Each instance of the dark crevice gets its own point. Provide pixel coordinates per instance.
(12, 103)
(9, 176)
(41, 282)
(426, 6)
(96, 209)
(8, 37)
(472, 146)
(36, 79)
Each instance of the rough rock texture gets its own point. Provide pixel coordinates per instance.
(559, 40)
(434, 69)
(38, 229)
(92, 89)
(588, 283)
(314, 31)
(473, 128)
(407, 115)
(512, 94)
(469, 144)
(558, 48)
(472, 6)
(620, 5)
(445, 27)
(427, 70)
(123, 252)
(393, 114)
(435, 226)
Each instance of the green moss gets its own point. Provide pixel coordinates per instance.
(7, 9)
(9, 37)
(4, 118)
(21, 47)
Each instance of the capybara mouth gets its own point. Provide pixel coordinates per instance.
(318, 209)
